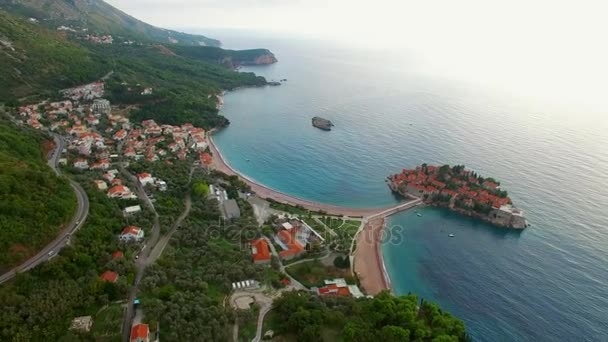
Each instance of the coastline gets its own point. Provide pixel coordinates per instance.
(219, 163)
(368, 259)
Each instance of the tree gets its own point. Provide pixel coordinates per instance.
(200, 189)
(391, 333)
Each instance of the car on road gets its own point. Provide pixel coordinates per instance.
(51, 253)
(78, 222)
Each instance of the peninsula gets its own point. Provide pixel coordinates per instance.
(460, 190)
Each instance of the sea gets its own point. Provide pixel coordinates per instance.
(546, 283)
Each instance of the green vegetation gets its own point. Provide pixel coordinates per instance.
(230, 58)
(184, 292)
(342, 261)
(38, 61)
(39, 305)
(313, 273)
(382, 318)
(34, 203)
(200, 189)
(107, 322)
(101, 18)
(247, 321)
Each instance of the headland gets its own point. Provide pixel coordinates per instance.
(460, 190)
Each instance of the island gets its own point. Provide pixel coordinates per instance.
(322, 123)
(460, 190)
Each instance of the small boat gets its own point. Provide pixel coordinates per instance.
(451, 235)
(248, 160)
(419, 214)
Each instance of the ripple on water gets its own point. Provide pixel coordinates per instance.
(546, 283)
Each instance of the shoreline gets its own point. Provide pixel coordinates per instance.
(219, 163)
(369, 264)
(368, 261)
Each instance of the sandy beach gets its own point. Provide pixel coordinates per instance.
(220, 164)
(368, 262)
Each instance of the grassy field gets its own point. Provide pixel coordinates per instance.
(319, 228)
(313, 273)
(107, 323)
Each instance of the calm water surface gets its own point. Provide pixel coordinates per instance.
(548, 283)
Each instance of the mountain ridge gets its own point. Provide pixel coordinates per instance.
(99, 17)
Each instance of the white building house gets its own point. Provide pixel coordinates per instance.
(82, 164)
(120, 191)
(145, 178)
(132, 233)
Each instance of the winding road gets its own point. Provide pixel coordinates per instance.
(64, 236)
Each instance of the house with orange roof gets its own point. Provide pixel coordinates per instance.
(206, 159)
(140, 333)
(109, 276)
(120, 191)
(120, 135)
(132, 233)
(338, 287)
(260, 252)
(103, 164)
(117, 254)
(288, 241)
(130, 152)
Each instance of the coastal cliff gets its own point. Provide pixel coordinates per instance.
(460, 190)
(230, 58)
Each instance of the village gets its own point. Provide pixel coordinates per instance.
(460, 190)
(100, 139)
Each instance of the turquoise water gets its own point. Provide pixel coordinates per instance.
(547, 283)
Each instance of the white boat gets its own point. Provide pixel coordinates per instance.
(419, 214)
(451, 235)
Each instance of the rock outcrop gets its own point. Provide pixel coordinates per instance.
(322, 123)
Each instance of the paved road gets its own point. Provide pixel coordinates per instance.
(64, 237)
(141, 263)
(152, 249)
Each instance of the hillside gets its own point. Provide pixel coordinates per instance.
(34, 202)
(39, 62)
(229, 58)
(36, 60)
(100, 18)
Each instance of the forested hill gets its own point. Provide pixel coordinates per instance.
(34, 202)
(34, 59)
(37, 62)
(99, 17)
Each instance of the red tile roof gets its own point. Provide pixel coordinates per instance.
(260, 250)
(333, 289)
(109, 276)
(131, 230)
(117, 254)
(139, 332)
(289, 240)
(206, 158)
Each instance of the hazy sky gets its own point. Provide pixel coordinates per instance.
(550, 44)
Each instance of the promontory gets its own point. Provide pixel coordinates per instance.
(460, 190)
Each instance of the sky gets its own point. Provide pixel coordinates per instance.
(550, 46)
